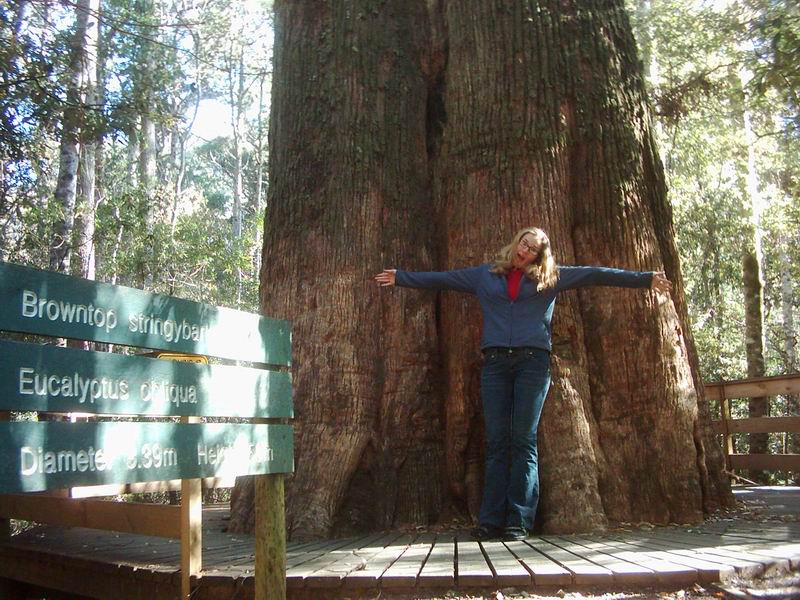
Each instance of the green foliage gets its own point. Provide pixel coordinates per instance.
(157, 60)
(707, 65)
(773, 26)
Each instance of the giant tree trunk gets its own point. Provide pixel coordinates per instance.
(546, 124)
(402, 137)
(349, 194)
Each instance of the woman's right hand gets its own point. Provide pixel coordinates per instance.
(386, 277)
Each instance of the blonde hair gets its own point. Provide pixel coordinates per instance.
(542, 270)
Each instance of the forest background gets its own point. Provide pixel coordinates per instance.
(133, 143)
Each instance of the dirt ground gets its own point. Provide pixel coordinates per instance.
(775, 586)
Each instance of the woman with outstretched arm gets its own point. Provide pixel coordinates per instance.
(517, 293)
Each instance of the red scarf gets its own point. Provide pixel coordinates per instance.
(514, 279)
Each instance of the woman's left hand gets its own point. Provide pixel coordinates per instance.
(660, 283)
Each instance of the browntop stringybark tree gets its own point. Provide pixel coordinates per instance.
(421, 135)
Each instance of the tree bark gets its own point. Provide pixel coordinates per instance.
(422, 135)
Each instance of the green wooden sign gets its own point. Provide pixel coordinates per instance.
(47, 303)
(56, 455)
(34, 377)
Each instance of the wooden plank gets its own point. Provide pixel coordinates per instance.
(768, 552)
(129, 517)
(755, 387)
(324, 557)
(296, 565)
(270, 563)
(405, 570)
(583, 570)
(36, 377)
(780, 552)
(707, 553)
(57, 455)
(191, 529)
(664, 571)
(505, 565)
(722, 546)
(472, 568)
(759, 425)
(5, 524)
(146, 487)
(86, 578)
(774, 462)
(708, 570)
(762, 531)
(727, 438)
(370, 575)
(307, 547)
(440, 568)
(624, 572)
(544, 570)
(48, 303)
(342, 562)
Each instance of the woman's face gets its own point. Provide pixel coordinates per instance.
(526, 251)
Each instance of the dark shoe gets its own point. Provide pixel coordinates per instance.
(514, 534)
(483, 533)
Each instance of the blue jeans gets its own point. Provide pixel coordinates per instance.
(513, 388)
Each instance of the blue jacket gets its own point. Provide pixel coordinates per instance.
(526, 320)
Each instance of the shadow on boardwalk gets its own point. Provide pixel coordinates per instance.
(724, 555)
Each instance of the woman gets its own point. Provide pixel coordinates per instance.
(517, 294)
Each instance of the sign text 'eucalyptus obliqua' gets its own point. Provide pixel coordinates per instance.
(53, 455)
(52, 379)
(58, 305)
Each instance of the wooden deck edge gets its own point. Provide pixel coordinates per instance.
(83, 577)
(84, 574)
(161, 520)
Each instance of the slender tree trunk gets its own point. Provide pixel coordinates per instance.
(753, 287)
(91, 140)
(147, 156)
(69, 151)
(753, 300)
(132, 155)
(259, 174)
(789, 345)
(236, 97)
(430, 133)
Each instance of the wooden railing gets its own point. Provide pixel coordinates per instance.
(724, 391)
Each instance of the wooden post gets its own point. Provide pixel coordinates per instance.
(191, 528)
(270, 576)
(725, 413)
(5, 524)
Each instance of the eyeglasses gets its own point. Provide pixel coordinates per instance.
(527, 248)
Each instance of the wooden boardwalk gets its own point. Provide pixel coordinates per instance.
(101, 564)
